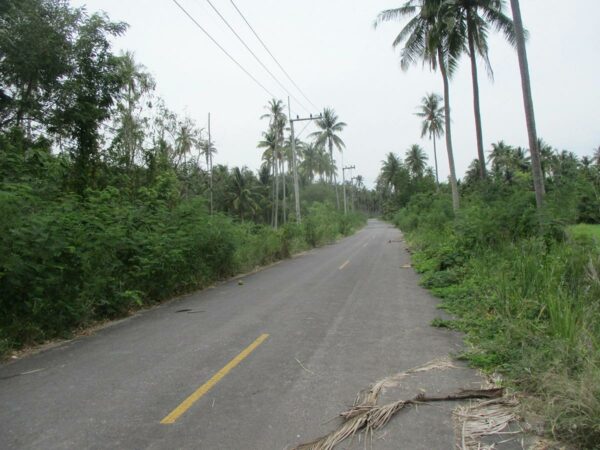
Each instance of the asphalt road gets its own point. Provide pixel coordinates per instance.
(263, 365)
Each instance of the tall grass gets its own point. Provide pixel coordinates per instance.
(528, 297)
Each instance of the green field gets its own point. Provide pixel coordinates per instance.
(583, 230)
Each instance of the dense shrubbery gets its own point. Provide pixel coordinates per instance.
(70, 261)
(525, 290)
(104, 191)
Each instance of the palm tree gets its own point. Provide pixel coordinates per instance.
(243, 194)
(137, 83)
(309, 165)
(325, 166)
(270, 144)
(536, 165)
(416, 160)
(188, 137)
(389, 171)
(433, 123)
(476, 17)
(207, 150)
(596, 156)
(277, 121)
(499, 157)
(330, 127)
(430, 38)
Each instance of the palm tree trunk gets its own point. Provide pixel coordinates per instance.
(284, 196)
(453, 184)
(276, 215)
(273, 192)
(476, 109)
(536, 166)
(337, 195)
(437, 178)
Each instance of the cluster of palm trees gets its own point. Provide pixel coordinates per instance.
(395, 170)
(438, 33)
(315, 158)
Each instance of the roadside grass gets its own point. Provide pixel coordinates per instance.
(585, 230)
(528, 301)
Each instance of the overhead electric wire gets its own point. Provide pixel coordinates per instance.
(256, 57)
(273, 56)
(222, 49)
(304, 128)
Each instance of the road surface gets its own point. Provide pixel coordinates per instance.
(265, 361)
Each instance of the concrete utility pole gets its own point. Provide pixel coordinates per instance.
(344, 185)
(210, 164)
(294, 162)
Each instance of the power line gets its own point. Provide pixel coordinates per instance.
(273, 56)
(222, 49)
(302, 131)
(254, 55)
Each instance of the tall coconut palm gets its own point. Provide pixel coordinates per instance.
(596, 156)
(207, 150)
(271, 146)
(536, 165)
(243, 193)
(277, 119)
(309, 165)
(187, 138)
(279, 127)
(416, 160)
(429, 37)
(475, 18)
(325, 166)
(137, 83)
(330, 127)
(390, 169)
(432, 113)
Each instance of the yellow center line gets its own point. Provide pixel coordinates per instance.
(193, 398)
(344, 265)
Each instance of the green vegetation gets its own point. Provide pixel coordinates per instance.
(523, 286)
(109, 201)
(517, 264)
(585, 230)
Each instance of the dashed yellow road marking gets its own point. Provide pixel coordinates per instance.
(344, 265)
(194, 397)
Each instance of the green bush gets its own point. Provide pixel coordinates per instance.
(67, 262)
(526, 294)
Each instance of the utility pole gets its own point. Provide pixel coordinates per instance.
(294, 162)
(210, 165)
(344, 185)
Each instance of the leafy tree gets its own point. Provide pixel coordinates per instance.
(36, 48)
(85, 99)
(432, 114)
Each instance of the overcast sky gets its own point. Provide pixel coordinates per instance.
(331, 50)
